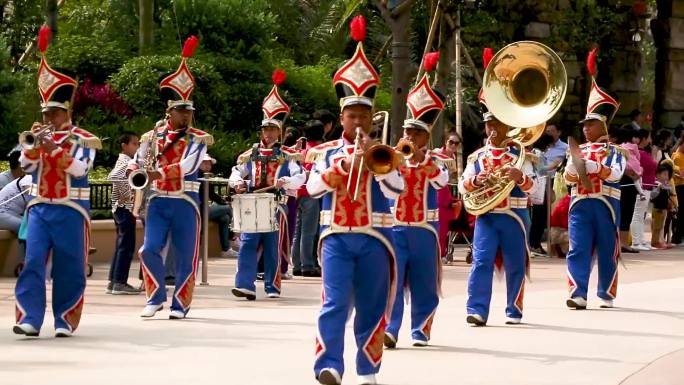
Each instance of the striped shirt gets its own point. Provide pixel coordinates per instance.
(121, 190)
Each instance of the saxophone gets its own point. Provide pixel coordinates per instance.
(139, 180)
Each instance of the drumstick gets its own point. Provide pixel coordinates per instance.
(264, 189)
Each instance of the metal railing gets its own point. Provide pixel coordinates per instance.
(101, 194)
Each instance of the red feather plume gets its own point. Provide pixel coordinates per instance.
(278, 76)
(430, 61)
(357, 28)
(487, 55)
(44, 36)
(190, 46)
(591, 62)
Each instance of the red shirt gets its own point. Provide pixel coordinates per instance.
(559, 215)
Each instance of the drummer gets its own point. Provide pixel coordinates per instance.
(266, 164)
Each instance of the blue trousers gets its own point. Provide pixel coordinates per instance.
(247, 261)
(177, 218)
(591, 230)
(495, 232)
(306, 231)
(417, 257)
(356, 274)
(125, 245)
(61, 231)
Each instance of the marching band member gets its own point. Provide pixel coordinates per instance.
(357, 257)
(266, 164)
(173, 209)
(500, 235)
(595, 207)
(415, 229)
(58, 160)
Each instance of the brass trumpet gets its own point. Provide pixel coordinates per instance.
(30, 140)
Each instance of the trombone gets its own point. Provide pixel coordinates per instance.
(379, 159)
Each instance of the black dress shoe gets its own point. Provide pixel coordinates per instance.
(311, 273)
(297, 272)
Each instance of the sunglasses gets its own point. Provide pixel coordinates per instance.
(452, 142)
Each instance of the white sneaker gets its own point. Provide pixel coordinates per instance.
(230, 253)
(578, 303)
(606, 303)
(329, 376)
(273, 295)
(62, 332)
(419, 343)
(25, 329)
(475, 320)
(176, 314)
(641, 248)
(647, 246)
(151, 310)
(366, 379)
(513, 321)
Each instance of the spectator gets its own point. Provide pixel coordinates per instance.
(558, 233)
(330, 132)
(15, 170)
(538, 196)
(292, 134)
(648, 166)
(451, 148)
(637, 119)
(660, 196)
(219, 210)
(122, 205)
(678, 160)
(308, 210)
(630, 185)
(12, 210)
(556, 154)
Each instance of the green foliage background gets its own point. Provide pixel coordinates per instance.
(241, 42)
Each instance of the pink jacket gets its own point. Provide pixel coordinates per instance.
(633, 162)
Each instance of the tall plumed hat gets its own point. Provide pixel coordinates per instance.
(177, 87)
(356, 80)
(424, 103)
(601, 105)
(487, 55)
(274, 107)
(56, 88)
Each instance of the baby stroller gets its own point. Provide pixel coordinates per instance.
(460, 230)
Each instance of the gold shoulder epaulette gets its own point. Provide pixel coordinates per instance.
(473, 157)
(244, 157)
(622, 151)
(444, 160)
(148, 136)
(86, 139)
(532, 157)
(201, 137)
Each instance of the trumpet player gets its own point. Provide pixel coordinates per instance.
(172, 158)
(415, 231)
(356, 252)
(594, 172)
(500, 238)
(266, 164)
(58, 155)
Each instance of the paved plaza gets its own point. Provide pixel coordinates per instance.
(230, 341)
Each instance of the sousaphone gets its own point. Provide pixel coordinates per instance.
(524, 86)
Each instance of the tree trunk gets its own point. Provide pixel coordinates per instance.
(146, 25)
(52, 14)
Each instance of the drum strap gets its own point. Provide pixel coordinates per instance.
(263, 161)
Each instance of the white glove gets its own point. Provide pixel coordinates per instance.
(570, 169)
(591, 166)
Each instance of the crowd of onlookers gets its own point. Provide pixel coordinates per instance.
(651, 189)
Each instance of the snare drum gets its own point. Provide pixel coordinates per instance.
(254, 213)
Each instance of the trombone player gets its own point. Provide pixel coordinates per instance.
(357, 257)
(59, 156)
(415, 231)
